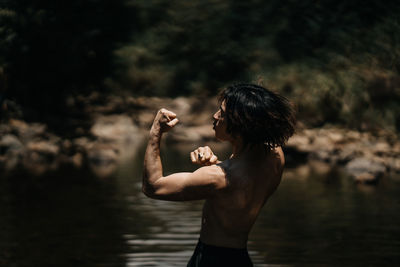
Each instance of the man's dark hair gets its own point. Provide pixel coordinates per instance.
(258, 115)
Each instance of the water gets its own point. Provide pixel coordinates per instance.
(73, 219)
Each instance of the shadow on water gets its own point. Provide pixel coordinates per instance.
(326, 219)
(63, 219)
(317, 217)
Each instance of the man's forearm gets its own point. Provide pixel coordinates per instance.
(152, 161)
(163, 122)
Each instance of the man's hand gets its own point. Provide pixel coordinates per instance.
(203, 156)
(164, 121)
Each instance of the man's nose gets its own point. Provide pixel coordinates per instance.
(215, 116)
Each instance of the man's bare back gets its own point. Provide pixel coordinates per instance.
(228, 217)
(256, 122)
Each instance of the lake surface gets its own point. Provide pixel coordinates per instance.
(317, 217)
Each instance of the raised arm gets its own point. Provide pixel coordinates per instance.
(200, 184)
(163, 122)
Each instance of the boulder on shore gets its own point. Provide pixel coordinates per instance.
(364, 170)
(364, 155)
(11, 151)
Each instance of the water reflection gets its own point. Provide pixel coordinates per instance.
(317, 221)
(318, 216)
(60, 221)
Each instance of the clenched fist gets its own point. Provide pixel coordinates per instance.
(164, 121)
(203, 156)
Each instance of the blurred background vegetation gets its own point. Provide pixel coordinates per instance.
(339, 61)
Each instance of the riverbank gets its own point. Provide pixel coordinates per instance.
(115, 128)
(365, 156)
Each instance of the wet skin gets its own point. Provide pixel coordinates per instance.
(235, 190)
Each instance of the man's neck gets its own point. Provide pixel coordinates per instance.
(237, 147)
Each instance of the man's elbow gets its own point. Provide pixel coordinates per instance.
(151, 190)
(148, 190)
(154, 192)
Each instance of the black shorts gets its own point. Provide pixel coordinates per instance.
(213, 256)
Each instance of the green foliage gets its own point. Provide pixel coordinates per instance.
(49, 48)
(195, 47)
(337, 60)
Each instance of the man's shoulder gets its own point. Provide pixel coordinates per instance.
(280, 156)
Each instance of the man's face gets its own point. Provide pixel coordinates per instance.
(220, 123)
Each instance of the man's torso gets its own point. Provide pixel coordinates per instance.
(228, 217)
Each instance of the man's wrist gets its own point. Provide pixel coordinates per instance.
(155, 132)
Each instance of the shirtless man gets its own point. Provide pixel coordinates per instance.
(257, 123)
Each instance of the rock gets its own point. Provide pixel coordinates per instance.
(41, 157)
(322, 142)
(18, 125)
(352, 136)
(119, 132)
(9, 162)
(77, 160)
(4, 129)
(396, 148)
(114, 128)
(103, 160)
(321, 154)
(10, 142)
(365, 170)
(145, 119)
(37, 129)
(310, 133)
(43, 147)
(335, 136)
(181, 105)
(366, 178)
(340, 147)
(82, 143)
(67, 145)
(35, 163)
(348, 153)
(11, 151)
(27, 131)
(381, 148)
(395, 165)
(191, 134)
(301, 142)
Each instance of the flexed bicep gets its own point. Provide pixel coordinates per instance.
(201, 184)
